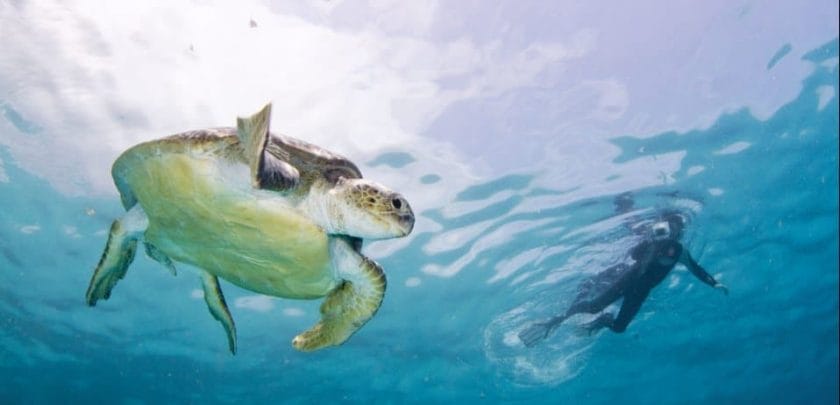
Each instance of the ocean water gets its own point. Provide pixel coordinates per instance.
(510, 136)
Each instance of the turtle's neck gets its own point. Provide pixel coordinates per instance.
(321, 206)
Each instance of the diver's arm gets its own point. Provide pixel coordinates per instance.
(698, 271)
(641, 251)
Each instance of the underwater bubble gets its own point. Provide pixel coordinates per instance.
(557, 359)
(295, 312)
(733, 148)
(695, 169)
(413, 282)
(259, 303)
(30, 229)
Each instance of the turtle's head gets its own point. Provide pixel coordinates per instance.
(368, 210)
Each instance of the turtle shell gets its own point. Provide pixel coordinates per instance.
(202, 210)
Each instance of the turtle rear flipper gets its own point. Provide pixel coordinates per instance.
(118, 255)
(351, 304)
(160, 257)
(218, 307)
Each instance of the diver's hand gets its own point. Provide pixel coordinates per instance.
(723, 288)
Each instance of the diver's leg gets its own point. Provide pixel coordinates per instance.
(629, 308)
(616, 282)
(605, 319)
(615, 278)
(633, 300)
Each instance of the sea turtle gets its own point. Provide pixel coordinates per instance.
(266, 212)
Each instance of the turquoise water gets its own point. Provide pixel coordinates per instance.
(505, 247)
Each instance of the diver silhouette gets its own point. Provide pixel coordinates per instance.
(654, 258)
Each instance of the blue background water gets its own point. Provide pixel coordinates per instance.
(505, 248)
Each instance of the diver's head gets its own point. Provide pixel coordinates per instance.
(661, 231)
(669, 226)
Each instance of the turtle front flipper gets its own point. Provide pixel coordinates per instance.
(350, 305)
(218, 307)
(268, 171)
(118, 255)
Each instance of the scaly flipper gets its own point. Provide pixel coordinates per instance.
(160, 257)
(218, 308)
(118, 255)
(349, 305)
(267, 170)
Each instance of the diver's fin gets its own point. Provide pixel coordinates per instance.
(534, 333)
(218, 308)
(118, 255)
(160, 257)
(351, 304)
(604, 320)
(267, 170)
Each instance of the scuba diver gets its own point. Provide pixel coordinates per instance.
(654, 258)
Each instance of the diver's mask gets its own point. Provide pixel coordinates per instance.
(661, 230)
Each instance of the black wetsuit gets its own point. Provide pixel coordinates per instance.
(653, 261)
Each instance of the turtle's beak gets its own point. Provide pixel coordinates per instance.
(404, 214)
(407, 223)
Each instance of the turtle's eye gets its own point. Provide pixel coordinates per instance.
(397, 203)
